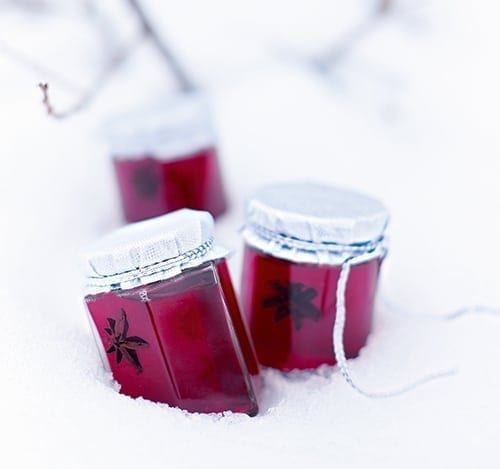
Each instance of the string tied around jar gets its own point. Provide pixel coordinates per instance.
(346, 255)
(338, 345)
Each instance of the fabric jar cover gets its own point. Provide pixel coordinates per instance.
(151, 250)
(166, 129)
(311, 222)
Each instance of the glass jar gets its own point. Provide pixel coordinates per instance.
(297, 237)
(165, 159)
(165, 315)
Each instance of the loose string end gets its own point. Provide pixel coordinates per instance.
(338, 346)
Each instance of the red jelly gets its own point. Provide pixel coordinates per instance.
(167, 160)
(166, 316)
(297, 236)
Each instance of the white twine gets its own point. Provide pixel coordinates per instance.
(338, 345)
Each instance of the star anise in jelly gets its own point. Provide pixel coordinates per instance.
(124, 346)
(294, 300)
(146, 181)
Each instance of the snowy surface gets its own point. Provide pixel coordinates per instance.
(410, 115)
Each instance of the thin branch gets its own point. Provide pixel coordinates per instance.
(34, 5)
(29, 62)
(103, 24)
(85, 100)
(173, 63)
(353, 37)
(88, 95)
(323, 62)
(384, 5)
(46, 101)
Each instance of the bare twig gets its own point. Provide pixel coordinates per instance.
(384, 5)
(103, 24)
(185, 82)
(89, 95)
(353, 37)
(29, 62)
(46, 101)
(34, 5)
(323, 62)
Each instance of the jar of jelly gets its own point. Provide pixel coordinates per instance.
(165, 159)
(297, 237)
(165, 315)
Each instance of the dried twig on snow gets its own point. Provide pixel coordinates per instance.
(30, 62)
(87, 97)
(147, 31)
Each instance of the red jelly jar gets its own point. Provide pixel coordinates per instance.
(297, 236)
(166, 159)
(165, 316)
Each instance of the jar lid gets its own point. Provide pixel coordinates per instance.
(174, 128)
(151, 250)
(298, 220)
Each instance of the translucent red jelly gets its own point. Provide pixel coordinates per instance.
(181, 341)
(290, 308)
(151, 186)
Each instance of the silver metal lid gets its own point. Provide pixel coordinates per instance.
(311, 222)
(174, 128)
(151, 250)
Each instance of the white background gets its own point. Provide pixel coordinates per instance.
(410, 114)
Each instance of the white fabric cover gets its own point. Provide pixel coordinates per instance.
(175, 128)
(311, 222)
(151, 250)
(318, 213)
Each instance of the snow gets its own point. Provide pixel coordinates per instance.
(409, 115)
